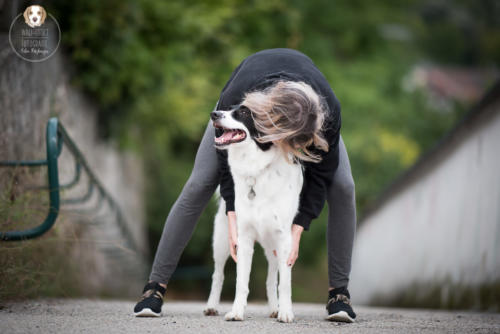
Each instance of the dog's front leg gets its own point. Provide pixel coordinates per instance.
(244, 256)
(221, 253)
(272, 283)
(285, 312)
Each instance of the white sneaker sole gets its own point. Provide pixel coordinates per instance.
(341, 316)
(147, 312)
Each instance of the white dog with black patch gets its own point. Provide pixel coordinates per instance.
(267, 185)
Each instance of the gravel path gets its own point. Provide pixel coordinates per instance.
(105, 316)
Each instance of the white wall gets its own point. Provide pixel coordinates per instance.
(445, 226)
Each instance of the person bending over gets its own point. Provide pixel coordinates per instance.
(327, 177)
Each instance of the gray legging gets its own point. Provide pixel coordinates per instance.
(200, 187)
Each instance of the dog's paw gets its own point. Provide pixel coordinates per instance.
(233, 316)
(210, 311)
(285, 316)
(273, 314)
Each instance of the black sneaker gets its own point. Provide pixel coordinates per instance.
(339, 306)
(152, 300)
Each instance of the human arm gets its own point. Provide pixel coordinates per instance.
(227, 193)
(226, 181)
(313, 196)
(294, 253)
(317, 179)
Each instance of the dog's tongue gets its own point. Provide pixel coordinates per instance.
(226, 137)
(228, 134)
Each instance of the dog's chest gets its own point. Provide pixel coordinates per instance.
(266, 185)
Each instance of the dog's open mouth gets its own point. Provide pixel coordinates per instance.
(229, 136)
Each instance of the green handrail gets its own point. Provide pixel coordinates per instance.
(56, 136)
(54, 148)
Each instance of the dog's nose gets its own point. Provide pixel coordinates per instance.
(215, 115)
(35, 18)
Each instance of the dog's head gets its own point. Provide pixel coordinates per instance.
(34, 16)
(238, 128)
(287, 114)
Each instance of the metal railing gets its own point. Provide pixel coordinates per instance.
(56, 139)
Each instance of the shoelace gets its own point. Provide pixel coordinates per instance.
(339, 297)
(154, 292)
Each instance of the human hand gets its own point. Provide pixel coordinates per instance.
(294, 253)
(233, 234)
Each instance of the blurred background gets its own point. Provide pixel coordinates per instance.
(149, 72)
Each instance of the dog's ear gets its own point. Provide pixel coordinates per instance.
(44, 15)
(26, 18)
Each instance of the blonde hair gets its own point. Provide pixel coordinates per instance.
(291, 115)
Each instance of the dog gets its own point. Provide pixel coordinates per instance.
(35, 16)
(267, 185)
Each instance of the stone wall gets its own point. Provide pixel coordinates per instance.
(31, 93)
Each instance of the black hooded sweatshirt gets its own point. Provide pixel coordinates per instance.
(261, 70)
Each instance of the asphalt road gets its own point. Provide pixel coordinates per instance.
(105, 316)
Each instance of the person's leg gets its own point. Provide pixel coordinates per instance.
(341, 222)
(184, 214)
(340, 238)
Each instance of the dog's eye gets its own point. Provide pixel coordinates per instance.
(244, 111)
(38, 12)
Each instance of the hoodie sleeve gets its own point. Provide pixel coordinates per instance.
(225, 178)
(226, 181)
(317, 179)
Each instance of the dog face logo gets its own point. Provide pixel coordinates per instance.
(34, 34)
(34, 16)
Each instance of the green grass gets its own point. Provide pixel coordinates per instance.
(32, 268)
(64, 262)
